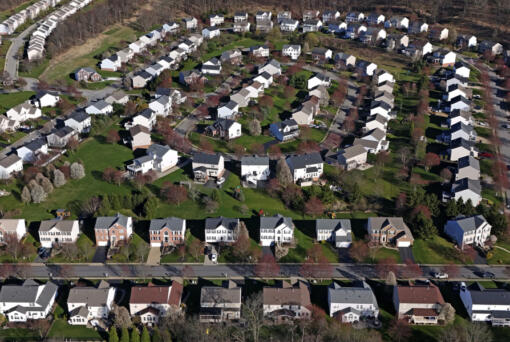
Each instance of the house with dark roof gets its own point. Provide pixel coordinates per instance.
(336, 231)
(468, 167)
(31, 300)
(418, 304)
(10, 165)
(272, 67)
(61, 136)
(168, 231)
(352, 157)
(152, 302)
(284, 130)
(486, 305)
(466, 189)
(87, 75)
(305, 168)
(276, 230)
(206, 166)
(140, 137)
(352, 303)
(460, 148)
(473, 230)
(79, 120)
(89, 304)
(287, 301)
(113, 230)
(389, 231)
(224, 128)
(254, 169)
(264, 78)
(221, 229)
(318, 79)
(111, 63)
(220, 303)
(99, 107)
(321, 54)
(312, 25)
(31, 150)
(228, 110)
(260, 50)
(373, 141)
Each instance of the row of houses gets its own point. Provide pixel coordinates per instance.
(10, 25)
(38, 38)
(416, 303)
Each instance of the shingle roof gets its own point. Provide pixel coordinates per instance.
(304, 160)
(220, 295)
(158, 150)
(272, 222)
(35, 145)
(91, 296)
(215, 222)
(79, 116)
(156, 294)
(61, 225)
(468, 161)
(467, 184)
(206, 158)
(287, 294)
(352, 151)
(10, 160)
(471, 223)
(254, 160)
(419, 294)
(105, 222)
(172, 223)
(359, 293)
(483, 296)
(333, 224)
(135, 130)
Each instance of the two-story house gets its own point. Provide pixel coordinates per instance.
(336, 231)
(206, 166)
(10, 165)
(486, 305)
(169, 231)
(287, 301)
(352, 157)
(418, 304)
(152, 302)
(254, 169)
(80, 121)
(113, 230)
(57, 232)
(305, 167)
(276, 229)
(89, 304)
(474, 230)
(351, 304)
(221, 229)
(389, 231)
(466, 189)
(468, 167)
(220, 303)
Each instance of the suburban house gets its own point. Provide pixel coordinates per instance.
(336, 231)
(354, 17)
(353, 31)
(263, 15)
(169, 231)
(210, 32)
(10, 165)
(375, 19)
(318, 79)
(61, 136)
(242, 97)
(382, 76)
(99, 107)
(45, 99)
(468, 167)
(20, 303)
(456, 90)
(462, 69)
(264, 78)
(118, 97)
(272, 67)
(460, 148)
(111, 63)
(380, 108)
(23, 112)
(221, 229)
(220, 303)
(87, 75)
(366, 68)
(389, 230)
(159, 158)
(233, 57)
(344, 60)
(154, 69)
(466, 41)
(305, 168)
(152, 302)
(283, 15)
(452, 79)
(312, 25)
(310, 14)
(287, 300)
(463, 116)
(190, 23)
(321, 54)
(228, 110)
(330, 16)
(397, 41)
(373, 141)
(171, 27)
(242, 26)
(89, 304)
(474, 230)
(466, 189)
(493, 48)
(161, 106)
(32, 150)
(376, 121)
(352, 157)
(292, 51)
(240, 16)
(438, 33)
(486, 305)
(460, 131)
(216, 19)
(146, 118)
(224, 128)
(113, 230)
(352, 303)
(418, 304)
(276, 230)
(191, 77)
(13, 227)
(264, 25)
(57, 231)
(288, 24)
(140, 137)
(140, 79)
(460, 102)
(260, 51)
(399, 22)
(207, 166)
(254, 169)
(284, 130)
(417, 27)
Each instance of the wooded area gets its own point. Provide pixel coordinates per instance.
(10, 4)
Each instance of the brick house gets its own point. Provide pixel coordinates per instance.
(169, 231)
(112, 230)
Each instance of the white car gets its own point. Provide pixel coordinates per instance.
(214, 258)
(441, 275)
(220, 181)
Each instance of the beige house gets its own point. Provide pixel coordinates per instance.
(418, 304)
(140, 137)
(389, 231)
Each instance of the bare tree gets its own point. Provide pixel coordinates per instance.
(283, 173)
(253, 313)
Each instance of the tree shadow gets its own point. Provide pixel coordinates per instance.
(307, 227)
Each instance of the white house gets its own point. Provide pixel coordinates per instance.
(111, 63)
(228, 110)
(88, 304)
(462, 69)
(330, 16)
(146, 118)
(288, 25)
(161, 106)
(56, 232)
(466, 189)
(366, 68)
(80, 121)
(354, 17)
(265, 79)
(336, 231)
(376, 121)
(460, 148)
(190, 23)
(32, 300)
(225, 128)
(22, 112)
(382, 76)
(13, 227)
(292, 51)
(276, 230)
(474, 230)
(463, 116)
(352, 157)
(486, 305)
(151, 302)
(312, 25)
(212, 67)
(272, 67)
(351, 304)
(220, 303)
(210, 32)
(492, 47)
(30, 151)
(375, 19)
(46, 99)
(373, 141)
(221, 229)
(260, 51)
(317, 80)
(254, 169)
(305, 167)
(460, 102)
(206, 166)
(216, 19)
(468, 167)
(240, 16)
(99, 107)
(10, 165)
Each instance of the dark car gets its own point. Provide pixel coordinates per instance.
(488, 275)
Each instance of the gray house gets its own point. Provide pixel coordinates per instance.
(468, 167)
(474, 230)
(337, 231)
(352, 303)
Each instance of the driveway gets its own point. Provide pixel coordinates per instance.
(100, 254)
(406, 253)
(154, 256)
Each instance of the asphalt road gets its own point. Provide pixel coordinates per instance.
(124, 271)
(11, 62)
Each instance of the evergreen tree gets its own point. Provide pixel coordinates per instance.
(135, 335)
(124, 335)
(156, 337)
(451, 210)
(145, 335)
(215, 195)
(424, 226)
(113, 335)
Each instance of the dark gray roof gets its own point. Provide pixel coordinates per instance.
(61, 225)
(224, 124)
(469, 223)
(143, 74)
(460, 126)
(9, 160)
(460, 98)
(382, 104)
(304, 160)
(158, 150)
(460, 142)
(28, 293)
(215, 222)
(319, 51)
(469, 161)
(101, 104)
(481, 295)
(91, 296)
(333, 224)
(231, 104)
(172, 223)
(147, 113)
(271, 222)
(79, 116)
(80, 311)
(206, 158)
(467, 184)
(254, 160)
(359, 293)
(105, 222)
(63, 132)
(220, 295)
(288, 21)
(35, 145)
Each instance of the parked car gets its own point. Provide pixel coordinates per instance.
(220, 181)
(488, 275)
(214, 258)
(486, 155)
(440, 275)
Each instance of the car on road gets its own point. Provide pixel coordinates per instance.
(44, 253)
(214, 258)
(440, 275)
(487, 275)
(506, 126)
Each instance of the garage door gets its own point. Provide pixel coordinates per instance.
(404, 244)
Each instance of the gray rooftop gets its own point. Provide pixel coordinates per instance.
(215, 222)
(359, 293)
(105, 222)
(61, 225)
(469, 223)
(467, 184)
(304, 160)
(172, 223)
(254, 160)
(91, 296)
(333, 224)
(271, 222)
(469, 161)
(206, 158)
(481, 295)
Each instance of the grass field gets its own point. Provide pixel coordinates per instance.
(434, 251)
(3, 52)
(7, 101)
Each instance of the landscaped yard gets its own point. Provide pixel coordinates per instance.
(61, 329)
(7, 101)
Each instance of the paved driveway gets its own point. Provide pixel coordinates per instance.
(406, 253)
(100, 254)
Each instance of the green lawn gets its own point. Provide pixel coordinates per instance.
(435, 251)
(3, 52)
(83, 243)
(385, 253)
(18, 334)
(11, 137)
(7, 101)
(304, 242)
(175, 257)
(61, 329)
(35, 70)
(499, 256)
